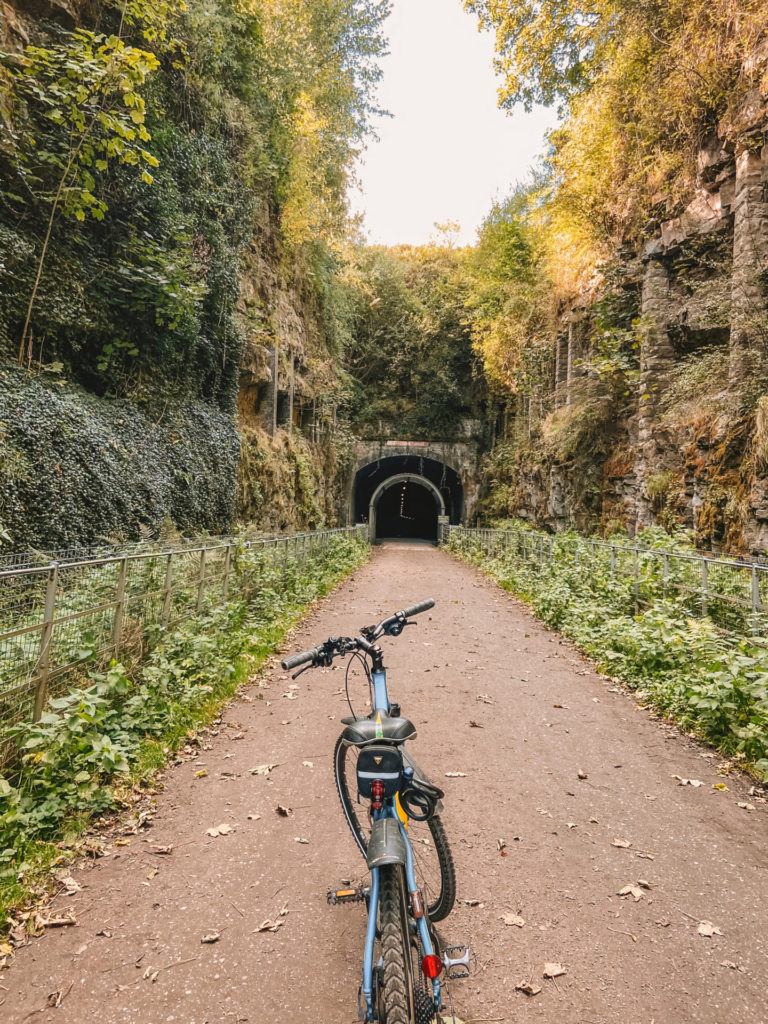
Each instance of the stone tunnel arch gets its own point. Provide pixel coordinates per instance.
(432, 488)
(399, 520)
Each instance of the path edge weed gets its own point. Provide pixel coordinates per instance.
(111, 736)
(712, 686)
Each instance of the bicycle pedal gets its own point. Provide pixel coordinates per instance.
(457, 962)
(358, 894)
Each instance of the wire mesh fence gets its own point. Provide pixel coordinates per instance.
(733, 593)
(87, 609)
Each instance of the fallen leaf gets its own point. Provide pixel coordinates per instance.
(687, 782)
(211, 937)
(253, 817)
(732, 965)
(745, 806)
(104, 933)
(455, 775)
(513, 919)
(554, 970)
(123, 842)
(707, 929)
(283, 811)
(571, 824)
(298, 839)
(475, 725)
(621, 843)
(631, 890)
(645, 856)
(643, 884)
(721, 786)
(69, 883)
(219, 830)
(263, 769)
(272, 926)
(501, 843)
(163, 850)
(201, 774)
(152, 872)
(472, 903)
(564, 707)
(528, 988)
(308, 764)
(582, 774)
(484, 698)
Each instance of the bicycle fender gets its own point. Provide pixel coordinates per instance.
(386, 845)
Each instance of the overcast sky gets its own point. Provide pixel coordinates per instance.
(448, 151)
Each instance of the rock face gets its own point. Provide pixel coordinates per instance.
(685, 445)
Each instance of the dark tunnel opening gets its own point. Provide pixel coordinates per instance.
(445, 479)
(407, 509)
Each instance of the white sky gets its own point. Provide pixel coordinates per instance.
(448, 151)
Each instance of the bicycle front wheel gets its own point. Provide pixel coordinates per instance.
(433, 862)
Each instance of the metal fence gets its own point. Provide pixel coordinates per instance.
(731, 592)
(57, 617)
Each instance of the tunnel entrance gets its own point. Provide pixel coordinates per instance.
(432, 489)
(407, 509)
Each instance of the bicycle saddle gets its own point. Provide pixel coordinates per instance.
(377, 727)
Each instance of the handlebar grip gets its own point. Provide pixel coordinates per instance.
(416, 609)
(298, 659)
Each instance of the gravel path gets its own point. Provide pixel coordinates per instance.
(545, 716)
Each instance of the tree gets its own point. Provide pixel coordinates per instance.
(81, 99)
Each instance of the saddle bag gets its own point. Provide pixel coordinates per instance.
(379, 762)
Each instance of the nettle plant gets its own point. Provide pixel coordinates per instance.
(77, 107)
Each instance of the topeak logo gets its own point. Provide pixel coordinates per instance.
(378, 760)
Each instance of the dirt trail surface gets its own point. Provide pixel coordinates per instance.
(572, 844)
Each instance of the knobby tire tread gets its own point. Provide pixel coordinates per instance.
(396, 972)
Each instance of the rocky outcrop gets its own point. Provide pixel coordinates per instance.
(681, 449)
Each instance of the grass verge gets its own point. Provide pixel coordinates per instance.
(101, 740)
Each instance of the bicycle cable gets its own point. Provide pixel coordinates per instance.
(367, 671)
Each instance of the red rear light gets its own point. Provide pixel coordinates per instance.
(432, 965)
(377, 793)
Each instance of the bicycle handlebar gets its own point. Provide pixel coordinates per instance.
(325, 652)
(294, 660)
(418, 608)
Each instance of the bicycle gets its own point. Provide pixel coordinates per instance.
(410, 888)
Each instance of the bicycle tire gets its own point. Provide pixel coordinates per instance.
(441, 877)
(396, 976)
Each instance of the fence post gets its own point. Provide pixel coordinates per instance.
(201, 580)
(117, 625)
(613, 560)
(168, 590)
(666, 574)
(44, 660)
(704, 586)
(755, 598)
(227, 569)
(636, 574)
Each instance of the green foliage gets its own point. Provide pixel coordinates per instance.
(509, 297)
(84, 97)
(256, 110)
(410, 353)
(78, 756)
(74, 468)
(707, 680)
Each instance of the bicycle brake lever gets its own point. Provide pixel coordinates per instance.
(304, 669)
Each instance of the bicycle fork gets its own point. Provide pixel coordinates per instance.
(373, 913)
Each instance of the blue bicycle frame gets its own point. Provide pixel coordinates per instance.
(389, 810)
